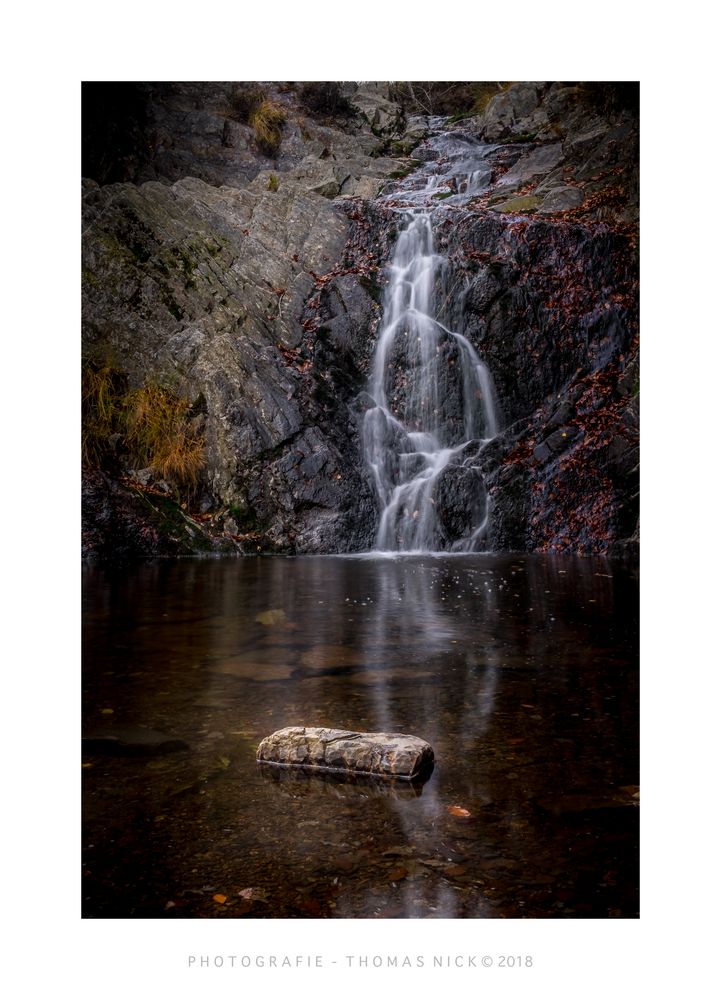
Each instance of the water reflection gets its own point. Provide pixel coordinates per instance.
(298, 783)
(520, 671)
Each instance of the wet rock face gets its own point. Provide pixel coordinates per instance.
(244, 287)
(549, 298)
(256, 284)
(460, 502)
(389, 755)
(124, 524)
(207, 289)
(548, 279)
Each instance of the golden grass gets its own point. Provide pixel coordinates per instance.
(245, 99)
(158, 435)
(102, 389)
(152, 422)
(484, 93)
(267, 122)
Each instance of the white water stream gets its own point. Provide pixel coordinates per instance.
(433, 393)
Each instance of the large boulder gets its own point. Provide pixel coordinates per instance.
(513, 113)
(534, 164)
(561, 199)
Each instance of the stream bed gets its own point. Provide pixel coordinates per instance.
(521, 671)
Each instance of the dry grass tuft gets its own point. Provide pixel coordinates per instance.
(102, 412)
(245, 99)
(152, 425)
(484, 94)
(267, 122)
(159, 435)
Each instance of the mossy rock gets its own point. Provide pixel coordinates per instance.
(525, 203)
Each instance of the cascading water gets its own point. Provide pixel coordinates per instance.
(434, 397)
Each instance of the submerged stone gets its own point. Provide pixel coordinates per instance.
(388, 755)
(129, 741)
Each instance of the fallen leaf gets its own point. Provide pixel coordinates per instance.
(458, 811)
(219, 897)
(224, 761)
(397, 873)
(344, 864)
(633, 790)
(453, 871)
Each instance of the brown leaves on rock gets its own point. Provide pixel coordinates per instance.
(310, 907)
(522, 452)
(579, 503)
(363, 265)
(296, 358)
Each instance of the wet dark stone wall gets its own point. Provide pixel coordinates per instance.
(256, 284)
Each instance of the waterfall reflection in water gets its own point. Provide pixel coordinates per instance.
(520, 671)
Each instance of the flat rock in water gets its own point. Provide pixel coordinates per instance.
(388, 755)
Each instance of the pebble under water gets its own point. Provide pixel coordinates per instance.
(521, 671)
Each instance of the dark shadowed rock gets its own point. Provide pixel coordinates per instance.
(578, 804)
(390, 755)
(131, 741)
(122, 523)
(460, 502)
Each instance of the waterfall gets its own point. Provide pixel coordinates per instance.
(434, 407)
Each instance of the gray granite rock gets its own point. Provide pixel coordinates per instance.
(536, 163)
(389, 755)
(561, 199)
(512, 112)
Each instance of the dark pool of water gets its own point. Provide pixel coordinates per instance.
(521, 672)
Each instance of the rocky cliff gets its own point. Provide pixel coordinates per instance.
(245, 274)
